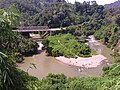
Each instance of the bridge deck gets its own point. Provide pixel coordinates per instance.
(34, 30)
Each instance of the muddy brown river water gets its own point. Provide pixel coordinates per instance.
(46, 64)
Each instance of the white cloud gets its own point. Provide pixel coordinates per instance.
(101, 2)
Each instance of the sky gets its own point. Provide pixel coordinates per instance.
(100, 2)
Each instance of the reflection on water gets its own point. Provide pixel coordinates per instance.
(46, 65)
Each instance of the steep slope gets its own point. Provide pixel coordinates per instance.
(28, 6)
(113, 5)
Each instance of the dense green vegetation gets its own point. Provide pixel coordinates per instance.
(68, 14)
(14, 46)
(109, 35)
(65, 45)
(28, 7)
(12, 78)
(82, 20)
(60, 82)
(11, 43)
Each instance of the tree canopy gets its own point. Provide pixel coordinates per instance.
(65, 45)
(12, 43)
(81, 19)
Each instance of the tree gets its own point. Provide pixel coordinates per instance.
(6, 67)
(118, 20)
(12, 43)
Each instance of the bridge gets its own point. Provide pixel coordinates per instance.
(32, 29)
(43, 31)
(35, 29)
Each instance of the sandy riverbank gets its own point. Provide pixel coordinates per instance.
(89, 62)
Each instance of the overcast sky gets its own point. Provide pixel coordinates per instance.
(101, 2)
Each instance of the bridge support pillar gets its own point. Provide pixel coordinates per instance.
(50, 33)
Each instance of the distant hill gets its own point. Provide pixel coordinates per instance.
(113, 5)
(30, 6)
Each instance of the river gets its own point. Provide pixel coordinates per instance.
(47, 64)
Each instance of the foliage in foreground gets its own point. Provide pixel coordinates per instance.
(9, 75)
(60, 82)
(11, 43)
(65, 45)
(13, 78)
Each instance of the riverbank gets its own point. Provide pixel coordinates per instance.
(89, 62)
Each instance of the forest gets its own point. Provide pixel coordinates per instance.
(80, 20)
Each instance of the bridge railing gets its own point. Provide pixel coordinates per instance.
(33, 27)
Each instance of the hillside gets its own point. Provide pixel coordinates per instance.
(80, 20)
(69, 14)
(29, 7)
(113, 5)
